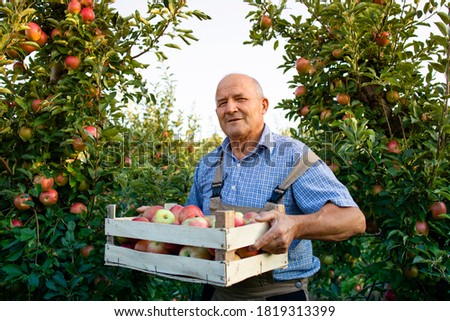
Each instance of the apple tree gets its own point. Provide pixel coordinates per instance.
(370, 95)
(68, 70)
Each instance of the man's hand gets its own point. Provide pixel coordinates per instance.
(280, 234)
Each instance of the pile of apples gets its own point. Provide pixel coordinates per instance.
(189, 215)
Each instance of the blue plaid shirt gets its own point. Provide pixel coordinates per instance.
(250, 182)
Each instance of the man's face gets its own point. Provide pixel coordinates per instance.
(240, 108)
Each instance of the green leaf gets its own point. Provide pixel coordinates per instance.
(172, 45)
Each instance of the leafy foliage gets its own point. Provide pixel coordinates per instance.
(397, 87)
(43, 247)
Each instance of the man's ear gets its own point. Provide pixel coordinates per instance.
(265, 106)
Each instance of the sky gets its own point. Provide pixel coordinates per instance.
(220, 50)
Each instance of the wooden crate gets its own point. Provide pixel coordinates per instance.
(223, 271)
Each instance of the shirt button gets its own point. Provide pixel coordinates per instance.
(238, 165)
(233, 187)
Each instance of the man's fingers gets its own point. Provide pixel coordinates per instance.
(142, 209)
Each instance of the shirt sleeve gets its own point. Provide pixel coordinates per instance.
(195, 197)
(317, 186)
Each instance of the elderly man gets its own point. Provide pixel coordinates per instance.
(253, 170)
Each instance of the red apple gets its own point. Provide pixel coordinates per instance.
(249, 217)
(176, 209)
(265, 22)
(438, 208)
(87, 14)
(300, 91)
(239, 219)
(376, 189)
(244, 252)
(393, 147)
(46, 183)
(16, 223)
(92, 131)
(42, 40)
(74, 7)
(36, 105)
(304, 111)
(20, 201)
(422, 228)
(173, 248)
(78, 144)
(151, 247)
(72, 62)
(49, 197)
(140, 219)
(337, 53)
(189, 211)
(33, 32)
(392, 96)
(335, 168)
(382, 39)
(86, 250)
(389, 295)
(27, 48)
(343, 99)
(198, 221)
(56, 32)
(61, 179)
(87, 3)
(151, 210)
(325, 114)
(196, 252)
(303, 65)
(78, 208)
(163, 216)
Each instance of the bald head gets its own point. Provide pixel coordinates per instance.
(236, 77)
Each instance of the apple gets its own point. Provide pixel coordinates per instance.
(196, 252)
(25, 133)
(236, 257)
(36, 105)
(189, 211)
(390, 295)
(84, 185)
(87, 14)
(173, 248)
(300, 91)
(239, 219)
(337, 53)
(33, 32)
(61, 179)
(72, 62)
(78, 208)
(343, 99)
(151, 247)
(128, 244)
(244, 252)
(249, 218)
(304, 111)
(303, 65)
(198, 221)
(392, 96)
(377, 189)
(16, 223)
(380, 2)
(151, 210)
(265, 22)
(78, 144)
(42, 40)
(163, 216)
(74, 7)
(46, 183)
(55, 33)
(212, 220)
(19, 67)
(176, 209)
(422, 228)
(438, 208)
(86, 250)
(393, 147)
(49, 197)
(382, 39)
(92, 131)
(335, 168)
(411, 272)
(325, 114)
(140, 219)
(20, 201)
(328, 260)
(87, 3)
(27, 48)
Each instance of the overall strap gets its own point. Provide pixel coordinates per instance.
(217, 181)
(307, 160)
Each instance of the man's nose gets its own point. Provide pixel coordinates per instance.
(231, 107)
